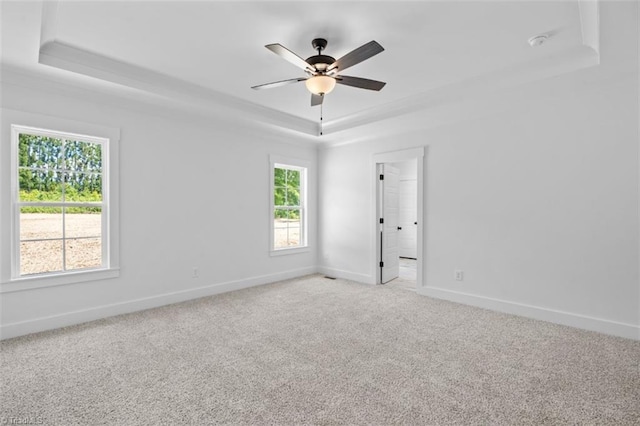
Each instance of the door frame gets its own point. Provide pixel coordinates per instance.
(395, 157)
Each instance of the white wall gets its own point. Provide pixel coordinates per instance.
(194, 193)
(537, 201)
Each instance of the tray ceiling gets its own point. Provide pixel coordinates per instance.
(212, 52)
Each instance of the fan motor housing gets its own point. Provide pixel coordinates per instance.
(320, 60)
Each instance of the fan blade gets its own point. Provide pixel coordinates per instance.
(356, 56)
(360, 83)
(288, 55)
(316, 99)
(277, 83)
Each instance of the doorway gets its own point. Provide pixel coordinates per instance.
(399, 218)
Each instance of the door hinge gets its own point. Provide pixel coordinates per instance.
(381, 220)
(381, 177)
(382, 264)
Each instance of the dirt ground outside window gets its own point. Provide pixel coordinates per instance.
(286, 233)
(82, 242)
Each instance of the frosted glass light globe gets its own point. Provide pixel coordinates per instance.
(320, 84)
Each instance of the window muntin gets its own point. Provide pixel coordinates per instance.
(61, 203)
(288, 206)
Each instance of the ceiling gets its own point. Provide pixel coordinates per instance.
(210, 53)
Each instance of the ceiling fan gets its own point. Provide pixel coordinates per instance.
(322, 70)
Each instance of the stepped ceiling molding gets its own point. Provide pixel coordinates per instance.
(205, 55)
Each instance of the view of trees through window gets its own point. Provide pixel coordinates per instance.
(287, 207)
(60, 204)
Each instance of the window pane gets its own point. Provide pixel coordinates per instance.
(39, 152)
(293, 188)
(83, 156)
(279, 176)
(83, 222)
(84, 187)
(286, 228)
(280, 237)
(40, 185)
(293, 178)
(279, 196)
(280, 214)
(280, 225)
(281, 217)
(293, 197)
(83, 253)
(293, 236)
(40, 223)
(37, 257)
(293, 223)
(293, 216)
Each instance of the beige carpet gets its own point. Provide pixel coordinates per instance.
(319, 351)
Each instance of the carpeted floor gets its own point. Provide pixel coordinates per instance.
(319, 351)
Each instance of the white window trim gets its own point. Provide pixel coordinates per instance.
(9, 190)
(304, 167)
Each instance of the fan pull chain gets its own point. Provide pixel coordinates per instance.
(321, 117)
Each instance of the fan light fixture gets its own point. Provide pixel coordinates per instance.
(320, 84)
(322, 70)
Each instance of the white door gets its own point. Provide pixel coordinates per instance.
(408, 223)
(390, 194)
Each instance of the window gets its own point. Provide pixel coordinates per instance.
(60, 204)
(63, 215)
(288, 204)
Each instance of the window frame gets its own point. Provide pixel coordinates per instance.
(302, 166)
(16, 122)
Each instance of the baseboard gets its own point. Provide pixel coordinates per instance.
(614, 328)
(10, 330)
(346, 275)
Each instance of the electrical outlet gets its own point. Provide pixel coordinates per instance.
(195, 273)
(458, 274)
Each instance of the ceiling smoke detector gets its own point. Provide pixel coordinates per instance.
(538, 40)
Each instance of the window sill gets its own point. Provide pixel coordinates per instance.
(43, 281)
(285, 251)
